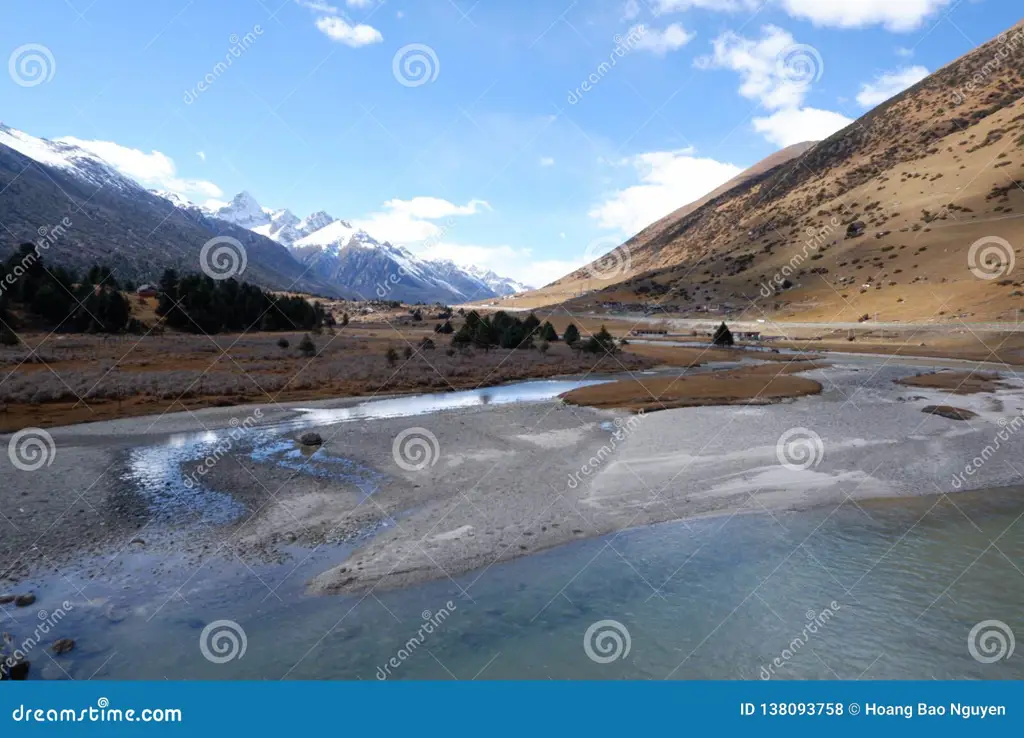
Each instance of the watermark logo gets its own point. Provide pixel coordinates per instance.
(623, 429)
(991, 257)
(1007, 428)
(623, 46)
(606, 641)
(31, 65)
(800, 65)
(415, 65)
(415, 449)
(222, 448)
(239, 45)
(607, 259)
(222, 641)
(799, 449)
(13, 655)
(990, 641)
(815, 622)
(223, 257)
(432, 621)
(31, 449)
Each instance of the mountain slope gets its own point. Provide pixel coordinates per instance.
(116, 221)
(582, 280)
(883, 217)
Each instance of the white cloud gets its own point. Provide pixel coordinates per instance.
(888, 84)
(359, 3)
(774, 69)
(201, 155)
(631, 10)
(668, 180)
(547, 161)
(338, 29)
(317, 5)
(661, 42)
(904, 52)
(796, 125)
(155, 169)
(660, 7)
(507, 261)
(894, 15)
(411, 221)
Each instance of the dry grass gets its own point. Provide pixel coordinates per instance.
(958, 383)
(761, 384)
(74, 379)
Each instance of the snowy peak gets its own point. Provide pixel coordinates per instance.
(501, 286)
(66, 156)
(315, 222)
(244, 211)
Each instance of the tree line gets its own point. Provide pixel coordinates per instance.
(195, 303)
(73, 303)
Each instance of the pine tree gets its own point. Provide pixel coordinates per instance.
(571, 335)
(723, 336)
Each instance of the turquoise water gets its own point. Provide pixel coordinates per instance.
(893, 587)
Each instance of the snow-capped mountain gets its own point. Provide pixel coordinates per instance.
(109, 218)
(244, 211)
(501, 286)
(68, 158)
(334, 250)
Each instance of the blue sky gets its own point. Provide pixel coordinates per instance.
(497, 155)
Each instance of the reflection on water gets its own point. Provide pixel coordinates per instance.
(716, 598)
(155, 472)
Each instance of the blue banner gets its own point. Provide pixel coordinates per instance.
(511, 708)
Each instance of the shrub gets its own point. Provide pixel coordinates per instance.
(427, 344)
(8, 338)
(407, 352)
(543, 347)
(307, 347)
(548, 333)
(392, 356)
(283, 343)
(600, 342)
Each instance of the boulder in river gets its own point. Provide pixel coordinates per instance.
(64, 645)
(311, 439)
(24, 600)
(948, 411)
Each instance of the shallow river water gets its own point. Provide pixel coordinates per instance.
(893, 588)
(874, 589)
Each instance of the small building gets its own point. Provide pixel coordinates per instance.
(147, 290)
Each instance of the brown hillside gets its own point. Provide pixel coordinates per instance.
(879, 218)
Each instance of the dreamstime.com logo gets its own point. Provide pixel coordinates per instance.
(623, 429)
(31, 449)
(222, 641)
(991, 257)
(239, 45)
(606, 641)
(415, 65)
(431, 621)
(990, 641)
(607, 258)
(48, 236)
(17, 654)
(415, 449)
(31, 65)
(223, 257)
(223, 447)
(623, 46)
(815, 622)
(799, 449)
(1007, 428)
